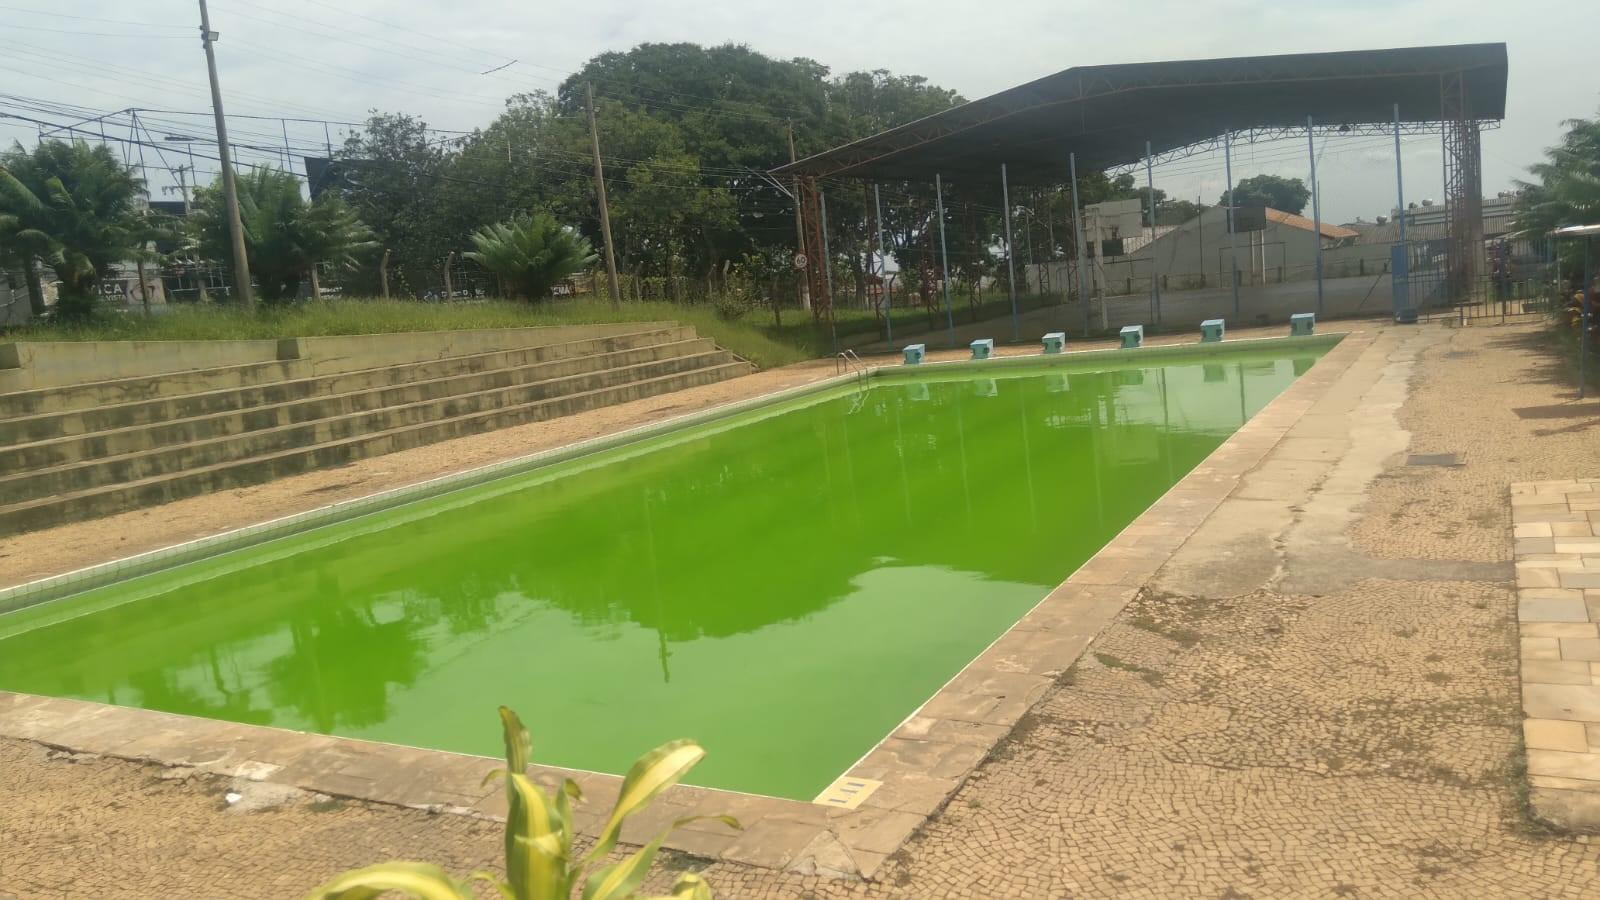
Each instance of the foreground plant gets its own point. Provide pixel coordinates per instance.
(540, 864)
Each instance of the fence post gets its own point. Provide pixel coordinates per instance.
(449, 258)
(383, 273)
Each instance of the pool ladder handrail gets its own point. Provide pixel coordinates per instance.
(847, 361)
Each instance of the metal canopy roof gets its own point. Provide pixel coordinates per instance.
(1105, 114)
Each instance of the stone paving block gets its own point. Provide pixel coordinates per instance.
(1540, 671)
(1555, 734)
(1575, 545)
(1535, 545)
(1560, 629)
(1563, 764)
(1532, 530)
(1571, 529)
(1582, 578)
(1561, 701)
(1539, 609)
(1580, 648)
(770, 842)
(1537, 577)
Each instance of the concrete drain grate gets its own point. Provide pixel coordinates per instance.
(1435, 459)
(847, 792)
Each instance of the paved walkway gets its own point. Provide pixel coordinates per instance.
(1318, 696)
(1557, 530)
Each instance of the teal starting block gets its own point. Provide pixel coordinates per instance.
(983, 348)
(1211, 330)
(1055, 342)
(1132, 336)
(1302, 323)
(915, 353)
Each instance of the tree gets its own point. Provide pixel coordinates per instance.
(284, 235)
(1568, 189)
(397, 177)
(531, 253)
(1287, 194)
(72, 207)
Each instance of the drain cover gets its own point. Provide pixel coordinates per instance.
(1434, 459)
(847, 792)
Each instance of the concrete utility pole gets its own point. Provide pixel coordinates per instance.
(183, 186)
(600, 190)
(230, 188)
(799, 227)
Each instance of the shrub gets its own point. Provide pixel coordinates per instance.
(540, 864)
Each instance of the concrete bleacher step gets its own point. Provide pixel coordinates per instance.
(322, 402)
(148, 404)
(335, 426)
(343, 446)
(92, 394)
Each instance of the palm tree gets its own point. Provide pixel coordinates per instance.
(284, 235)
(72, 206)
(1568, 190)
(531, 253)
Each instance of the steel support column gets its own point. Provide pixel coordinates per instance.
(883, 269)
(1078, 238)
(1463, 185)
(944, 259)
(1155, 277)
(1011, 265)
(1316, 207)
(827, 269)
(1233, 246)
(813, 247)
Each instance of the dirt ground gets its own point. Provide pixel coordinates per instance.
(1332, 713)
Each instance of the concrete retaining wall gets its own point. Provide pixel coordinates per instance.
(30, 365)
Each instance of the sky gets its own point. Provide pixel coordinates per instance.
(322, 59)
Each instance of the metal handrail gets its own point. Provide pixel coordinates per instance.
(847, 361)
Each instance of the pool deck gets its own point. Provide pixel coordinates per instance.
(1294, 674)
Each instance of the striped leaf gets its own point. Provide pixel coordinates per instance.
(653, 773)
(414, 879)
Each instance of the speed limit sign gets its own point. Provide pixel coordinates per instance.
(800, 260)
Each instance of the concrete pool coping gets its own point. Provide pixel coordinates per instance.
(915, 769)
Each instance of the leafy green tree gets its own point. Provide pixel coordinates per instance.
(397, 177)
(531, 254)
(1287, 194)
(285, 236)
(73, 207)
(1568, 189)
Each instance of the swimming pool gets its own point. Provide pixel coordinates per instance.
(785, 585)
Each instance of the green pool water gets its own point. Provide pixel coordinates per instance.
(785, 586)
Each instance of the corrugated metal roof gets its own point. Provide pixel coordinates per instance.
(1330, 231)
(1106, 114)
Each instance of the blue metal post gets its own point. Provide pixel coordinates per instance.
(944, 259)
(1155, 277)
(1011, 266)
(1233, 247)
(883, 270)
(1077, 230)
(1316, 209)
